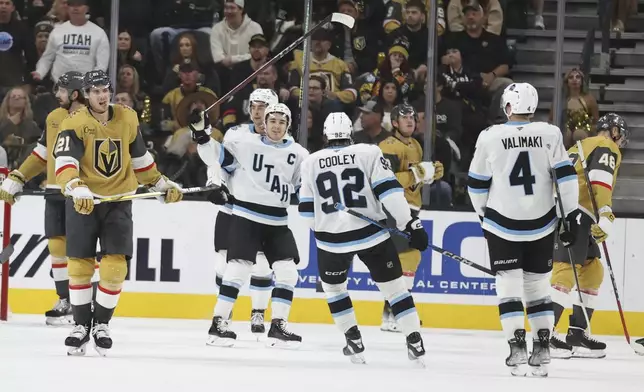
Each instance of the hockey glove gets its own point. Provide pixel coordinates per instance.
(418, 236)
(601, 230)
(199, 126)
(423, 172)
(567, 235)
(172, 190)
(11, 186)
(221, 196)
(439, 171)
(83, 198)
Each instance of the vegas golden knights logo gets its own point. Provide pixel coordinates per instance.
(108, 156)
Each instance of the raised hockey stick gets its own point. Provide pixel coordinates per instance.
(150, 195)
(342, 207)
(335, 17)
(572, 264)
(638, 350)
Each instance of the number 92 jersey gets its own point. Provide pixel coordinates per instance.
(359, 177)
(510, 180)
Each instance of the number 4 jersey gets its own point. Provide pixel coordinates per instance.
(359, 177)
(510, 181)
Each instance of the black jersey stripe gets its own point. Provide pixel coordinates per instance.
(348, 236)
(525, 225)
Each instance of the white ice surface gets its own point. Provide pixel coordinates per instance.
(152, 355)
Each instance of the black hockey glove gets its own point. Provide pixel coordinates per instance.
(418, 236)
(569, 228)
(199, 124)
(221, 196)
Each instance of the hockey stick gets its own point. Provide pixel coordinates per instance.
(572, 264)
(638, 350)
(334, 17)
(342, 207)
(149, 195)
(6, 254)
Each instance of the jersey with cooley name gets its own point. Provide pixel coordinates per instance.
(263, 175)
(510, 180)
(359, 177)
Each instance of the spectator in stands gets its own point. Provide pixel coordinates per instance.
(58, 13)
(621, 10)
(314, 124)
(76, 45)
(258, 50)
(484, 53)
(17, 47)
(371, 120)
(492, 15)
(18, 131)
(318, 100)
(127, 52)
(580, 111)
(537, 6)
(178, 17)
(4, 160)
(389, 95)
(415, 31)
(339, 80)
(359, 46)
(186, 52)
(396, 67)
(129, 81)
(230, 38)
(42, 30)
(396, 14)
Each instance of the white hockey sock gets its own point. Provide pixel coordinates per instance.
(220, 269)
(285, 280)
(340, 305)
(402, 305)
(539, 306)
(409, 280)
(235, 276)
(261, 283)
(509, 290)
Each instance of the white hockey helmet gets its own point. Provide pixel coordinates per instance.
(266, 95)
(279, 108)
(522, 98)
(337, 126)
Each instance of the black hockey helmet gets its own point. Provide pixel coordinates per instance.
(616, 126)
(72, 81)
(403, 109)
(96, 78)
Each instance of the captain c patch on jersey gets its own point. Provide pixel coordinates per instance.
(108, 156)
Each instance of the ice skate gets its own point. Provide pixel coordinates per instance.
(558, 348)
(416, 348)
(257, 321)
(102, 339)
(77, 340)
(518, 357)
(540, 357)
(354, 347)
(389, 323)
(583, 346)
(220, 334)
(60, 314)
(280, 336)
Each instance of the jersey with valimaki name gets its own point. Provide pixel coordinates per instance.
(603, 160)
(510, 181)
(110, 158)
(359, 177)
(261, 174)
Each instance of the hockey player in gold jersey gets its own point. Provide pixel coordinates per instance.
(100, 153)
(405, 155)
(603, 157)
(69, 92)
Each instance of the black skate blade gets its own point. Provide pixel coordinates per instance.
(63, 321)
(638, 346)
(283, 344)
(216, 341)
(582, 352)
(77, 351)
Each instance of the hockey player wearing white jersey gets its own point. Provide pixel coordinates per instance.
(358, 176)
(511, 187)
(261, 279)
(265, 172)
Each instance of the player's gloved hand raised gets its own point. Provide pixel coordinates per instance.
(601, 230)
(221, 196)
(439, 171)
(172, 190)
(199, 124)
(423, 172)
(567, 234)
(83, 197)
(418, 236)
(11, 186)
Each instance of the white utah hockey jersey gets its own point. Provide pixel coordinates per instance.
(359, 177)
(262, 175)
(510, 179)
